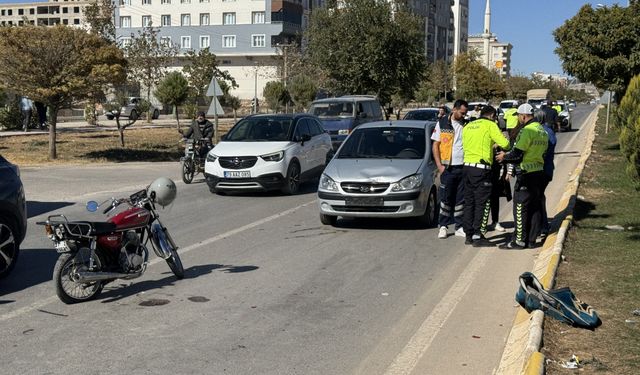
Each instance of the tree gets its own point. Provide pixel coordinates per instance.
(173, 90)
(275, 94)
(303, 91)
(474, 81)
(602, 46)
(99, 16)
(516, 87)
(200, 68)
(437, 82)
(366, 48)
(56, 65)
(234, 103)
(148, 59)
(629, 116)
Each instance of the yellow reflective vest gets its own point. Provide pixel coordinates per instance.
(478, 138)
(511, 118)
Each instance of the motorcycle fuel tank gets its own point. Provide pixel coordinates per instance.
(135, 217)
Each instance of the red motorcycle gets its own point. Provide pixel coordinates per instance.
(93, 254)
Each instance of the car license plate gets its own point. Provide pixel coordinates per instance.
(237, 174)
(364, 201)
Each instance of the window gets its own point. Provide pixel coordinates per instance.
(229, 41)
(165, 20)
(125, 21)
(204, 1)
(165, 1)
(33, 11)
(9, 12)
(65, 21)
(204, 19)
(185, 42)
(125, 42)
(258, 40)
(165, 40)
(302, 128)
(125, 2)
(76, 9)
(185, 1)
(76, 21)
(146, 21)
(146, 2)
(257, 17)
(20, 12)
(204, 41)
(229, 18)
(65, 10)
(185, 20)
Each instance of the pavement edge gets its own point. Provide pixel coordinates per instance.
(522, 350)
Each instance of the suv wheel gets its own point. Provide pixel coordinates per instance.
(328, 219)
(9, 246)
(292, 180)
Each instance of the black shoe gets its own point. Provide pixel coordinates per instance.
(482, 242)
(468, 241)
(512, 245)
(532, 245)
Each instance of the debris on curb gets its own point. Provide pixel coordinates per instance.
(614, 227)
(630, 321)
(636, 312)
(574, 362)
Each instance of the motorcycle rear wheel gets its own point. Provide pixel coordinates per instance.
(68, 290)
(188, 170)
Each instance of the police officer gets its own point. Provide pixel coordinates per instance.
(528, 152)
(511, 118)
(478, 139)
(448, 155)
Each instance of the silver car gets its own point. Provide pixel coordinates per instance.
(383, 169)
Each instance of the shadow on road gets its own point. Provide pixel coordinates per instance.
(34, 267)
(379, 223)
(118, 290)
(35, 208)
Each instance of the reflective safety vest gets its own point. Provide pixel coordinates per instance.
(478, 138)
(511, 118)
(557, 108)
(533, 140)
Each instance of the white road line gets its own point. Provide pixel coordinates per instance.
(406, 361)
(46, 301)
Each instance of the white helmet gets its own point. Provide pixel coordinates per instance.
(162, 191)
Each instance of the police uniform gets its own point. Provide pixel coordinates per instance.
(478, 138)
(511, 118)
(528, 152)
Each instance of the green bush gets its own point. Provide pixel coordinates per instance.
(629, 117)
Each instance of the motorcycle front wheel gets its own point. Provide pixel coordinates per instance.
(188, 170)
(174, 261)
(65, 274)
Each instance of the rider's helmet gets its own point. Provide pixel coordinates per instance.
(162, 191)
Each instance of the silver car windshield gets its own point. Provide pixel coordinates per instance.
(260, 129)
(329, 110)
(384, 143)
(422, 115)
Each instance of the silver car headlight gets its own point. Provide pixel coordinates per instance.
(275, 156)
(408, 183)
(327, 183)
(211, 158)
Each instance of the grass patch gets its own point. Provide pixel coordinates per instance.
(155, 144)
(602, 267)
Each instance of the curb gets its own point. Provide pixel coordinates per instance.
(522, 350)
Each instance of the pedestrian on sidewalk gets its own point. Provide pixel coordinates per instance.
(41, 109)
(528, 152)
(449, 157)
(478, 140)
(548, 127)
(26, 107)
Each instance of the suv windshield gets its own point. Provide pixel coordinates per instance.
(336, 109)
(422, 115)
(260, 129)
(384, 143)
(506, 105)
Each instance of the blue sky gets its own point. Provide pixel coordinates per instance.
(528, 26)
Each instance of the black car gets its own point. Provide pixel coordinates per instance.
(13, 215)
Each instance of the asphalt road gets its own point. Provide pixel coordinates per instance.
(268, 289)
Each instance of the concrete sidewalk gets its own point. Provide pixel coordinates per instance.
(164, 121)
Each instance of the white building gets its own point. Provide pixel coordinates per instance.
(460, 10)
(499, 53)
(53, 12)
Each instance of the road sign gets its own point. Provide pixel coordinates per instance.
(215, 109)
(214, 88)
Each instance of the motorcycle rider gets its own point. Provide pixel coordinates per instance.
(200, 129)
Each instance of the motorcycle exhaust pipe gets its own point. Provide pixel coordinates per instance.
(86, 276)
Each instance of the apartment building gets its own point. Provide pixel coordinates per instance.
(53, 12)
(460, 10)
(499, 53)
(247, 36)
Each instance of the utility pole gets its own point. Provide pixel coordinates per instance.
(255, 90)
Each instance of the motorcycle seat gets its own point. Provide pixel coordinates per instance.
(92, 228)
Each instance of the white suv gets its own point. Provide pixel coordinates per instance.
(268, 152)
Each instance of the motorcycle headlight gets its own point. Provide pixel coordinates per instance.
(408, 183)
(211, 158)
(276, 156)
(327, 183)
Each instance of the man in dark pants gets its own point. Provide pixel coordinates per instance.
(449, 157)
(528, 152)
(200, 129)
(26, 107)
(478, 140)
(540, 116)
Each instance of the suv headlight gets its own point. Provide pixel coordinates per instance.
(327, 183)
(275, 156)
(211, 158)
(408, 183)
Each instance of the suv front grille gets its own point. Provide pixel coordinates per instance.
(238, 162)
(364, 187)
